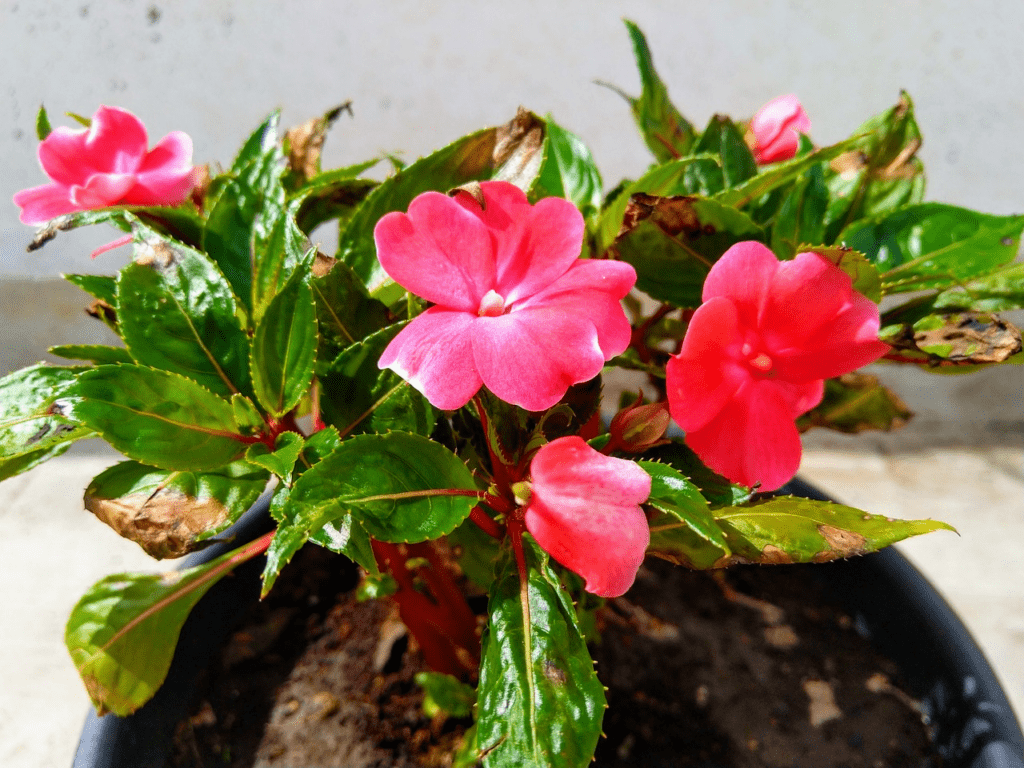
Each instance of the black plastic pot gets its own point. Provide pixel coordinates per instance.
(890, 602)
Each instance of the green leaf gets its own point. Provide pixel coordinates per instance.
(43, 127)
(512, 152)
(665, 131)
(100, 287)
(777, 174)
(284, 348)
(672, 243)
(716, 489)
(170, 513)
(794, 530)
(998, 291)
(374, 586)
(280, 461)
(539, 701)
(723, 140)
(568, 170)
(332, 195)
(345, 313)
(800, 218)
(445, 693)
(318, 446)
(177, 313)
(476, 552)
(37, 415)
(933, 245)
(247, 418)
(684, 530)
(122, 633)
(158, 417)
(94, 353)
(357, 396)
(259, 144)
(855, 403)
(276, 260)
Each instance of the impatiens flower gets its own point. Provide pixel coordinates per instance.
(584, 511)
(107, 164)
(515, 308)
(756, 354)
(776, 128)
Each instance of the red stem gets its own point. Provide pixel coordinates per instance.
(486, 523)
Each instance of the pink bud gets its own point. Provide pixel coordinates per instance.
(639, 427)
(776, 129)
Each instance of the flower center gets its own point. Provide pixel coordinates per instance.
(491, 305)
(760, 362)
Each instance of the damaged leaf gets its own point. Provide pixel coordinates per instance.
(788, 529)
(170, 514)
(304, 143)
(956, 339)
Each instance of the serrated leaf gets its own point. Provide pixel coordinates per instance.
(345, 312)
(673, 241)
(259, 143)
(284, 348)
(568, 170)
(357, 396)
(318, 446)
(933, 245)
(684, 530)
(276, 259)
(94, 353)
(998, 291)
(43, 127)
(332, 195)
(280, 461)
(539, 701)
(158, 417)
(445, 693)
(854, 403)
(177, 313)
(247, 418)
(37, 415)
(102, 287)
(722, 139)
(788, 529)
(170, 513)
(665, 131)
(512, 152)
(122, 633)
(718, 491)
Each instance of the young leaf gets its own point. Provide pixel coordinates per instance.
(665, 131)
(284, 348)
(280, 461)
(683, 531)
(43, 127)
(275, 261)
(512, 152)
(933, 245)
(539, 701)
(37, 416)
(788, 529)
(170, 513)
(568, 170)
(158, 418)
(177, 313)
(359, 397)
(122, 633)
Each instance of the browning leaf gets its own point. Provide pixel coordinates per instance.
(518, 149)
(305, 142)
(961, 338)
(671, 214)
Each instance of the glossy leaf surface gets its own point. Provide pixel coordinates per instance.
(683, 530)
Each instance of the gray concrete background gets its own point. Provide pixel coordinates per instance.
(421, 74)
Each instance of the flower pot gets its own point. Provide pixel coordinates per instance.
(888, 600)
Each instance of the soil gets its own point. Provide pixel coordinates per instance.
(748, 667)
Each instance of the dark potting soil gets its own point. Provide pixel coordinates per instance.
(747, 667)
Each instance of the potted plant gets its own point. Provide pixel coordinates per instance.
(428, 402)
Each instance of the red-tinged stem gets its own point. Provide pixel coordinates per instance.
(499, 504)
(486, 523)
(639, 337)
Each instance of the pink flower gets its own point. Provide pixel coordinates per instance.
(756, 354)
(107, 164)
(776, 128)
(584, 511)
(515, 309)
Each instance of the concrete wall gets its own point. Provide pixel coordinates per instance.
(423, 73)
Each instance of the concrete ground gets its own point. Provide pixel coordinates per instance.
(51, 551)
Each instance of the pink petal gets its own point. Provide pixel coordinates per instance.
(166, 176)
(64, 157)
(593, 289)
(584, 511)
(439, 251)
(743, 273)
(776, 127)
(116, 142)
(40, 204)
(102, 190)
(706, 373)
(434, 354)
(805, 294)
(532, 356)
(753, 440)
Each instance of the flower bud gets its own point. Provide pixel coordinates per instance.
(639, 427)
(775, 129)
